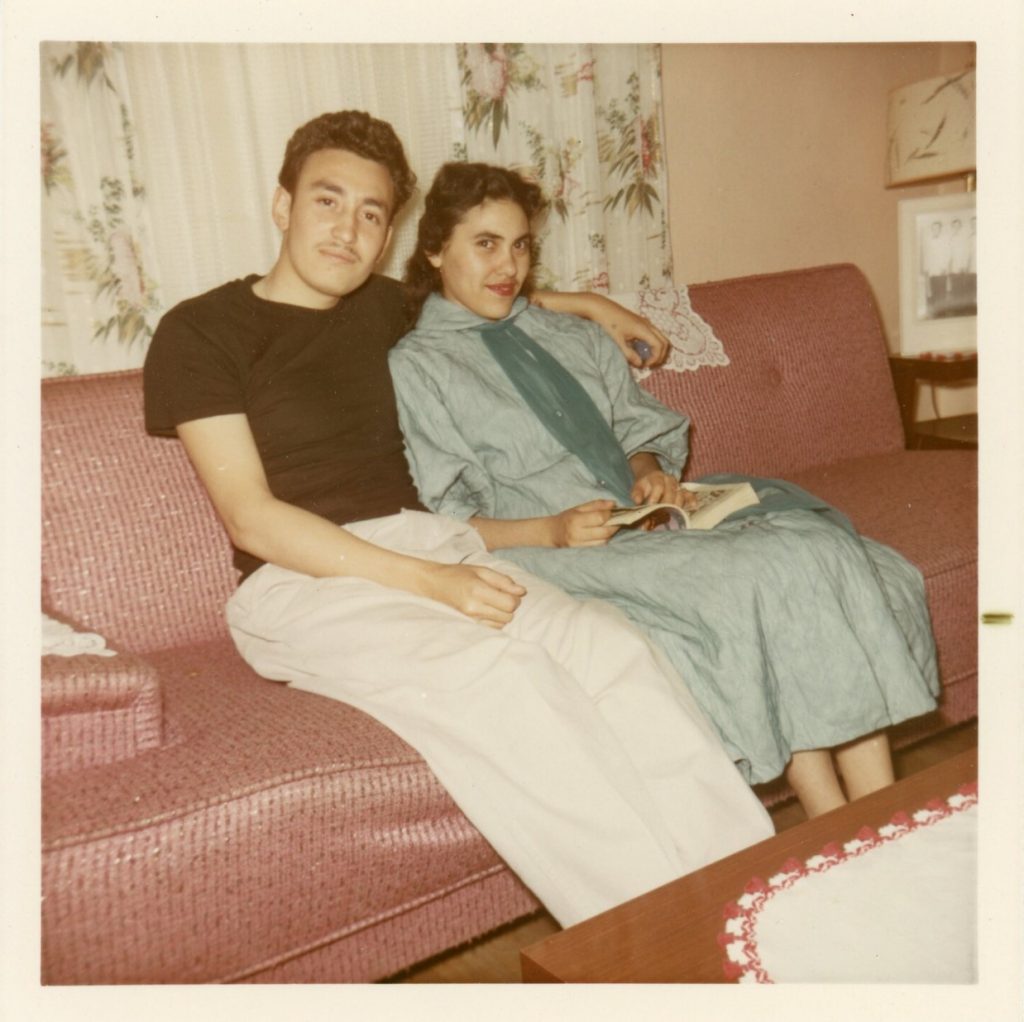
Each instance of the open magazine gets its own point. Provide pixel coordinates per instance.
(715, 502)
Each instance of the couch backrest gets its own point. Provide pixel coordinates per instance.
(132, 548)
(808, 382)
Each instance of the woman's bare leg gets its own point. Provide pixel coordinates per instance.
(865, 764)
(813, 777)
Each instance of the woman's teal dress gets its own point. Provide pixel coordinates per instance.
(791, 631)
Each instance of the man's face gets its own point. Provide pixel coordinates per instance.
(335, 226)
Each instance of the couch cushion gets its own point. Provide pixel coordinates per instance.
(271, 822)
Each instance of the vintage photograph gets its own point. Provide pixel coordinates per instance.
(948, 266)
(341, 354)
(938, 273)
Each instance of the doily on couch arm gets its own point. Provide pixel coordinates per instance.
(693, 343)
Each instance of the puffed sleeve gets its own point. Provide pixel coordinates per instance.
(447, 473)
(640, 421)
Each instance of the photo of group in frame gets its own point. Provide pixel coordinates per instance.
(948, 265)
(938, 273)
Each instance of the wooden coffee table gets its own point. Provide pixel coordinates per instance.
(670, 935)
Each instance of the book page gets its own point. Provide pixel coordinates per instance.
(632, 515)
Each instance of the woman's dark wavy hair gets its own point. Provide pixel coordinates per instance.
(357, 132)
(458, 188)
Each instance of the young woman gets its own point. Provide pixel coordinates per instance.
(801, 641)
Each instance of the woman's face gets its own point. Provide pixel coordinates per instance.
(484, 263)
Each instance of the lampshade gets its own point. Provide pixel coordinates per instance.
(931, 129)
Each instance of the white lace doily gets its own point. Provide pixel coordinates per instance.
(59, 639)
(694, 344)
(896, 905)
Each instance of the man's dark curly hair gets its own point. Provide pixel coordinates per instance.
(458, 188)
(357, 132)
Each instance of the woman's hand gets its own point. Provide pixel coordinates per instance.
(483, 594)
(659, 487)
(585, 525)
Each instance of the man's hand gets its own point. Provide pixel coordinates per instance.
(585, 525)
(618, 322)
(483, 594)
(224, 453)
(624, 326)
(659, 487)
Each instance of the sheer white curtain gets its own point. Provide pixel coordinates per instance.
(213, 122)
(160, 160)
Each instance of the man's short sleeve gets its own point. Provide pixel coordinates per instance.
(189, 374)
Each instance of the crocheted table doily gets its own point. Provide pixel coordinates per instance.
(893, 905)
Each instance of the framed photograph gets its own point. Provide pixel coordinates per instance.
(938, 274)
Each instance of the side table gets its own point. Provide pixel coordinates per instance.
(908, 373)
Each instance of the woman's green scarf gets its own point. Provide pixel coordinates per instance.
(561, 404)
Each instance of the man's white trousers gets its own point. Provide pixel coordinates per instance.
(566, 737)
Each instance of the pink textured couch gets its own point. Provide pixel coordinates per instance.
(201, 824)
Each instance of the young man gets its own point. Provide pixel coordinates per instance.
(553, 724)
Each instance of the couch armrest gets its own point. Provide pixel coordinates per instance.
(98, 709)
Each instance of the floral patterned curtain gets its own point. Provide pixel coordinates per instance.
(585, 122)
(159, 160)
(100, 302)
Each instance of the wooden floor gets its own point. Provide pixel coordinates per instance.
(495, 958)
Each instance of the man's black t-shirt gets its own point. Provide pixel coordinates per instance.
(313, 383)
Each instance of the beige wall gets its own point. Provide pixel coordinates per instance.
(776, 159)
